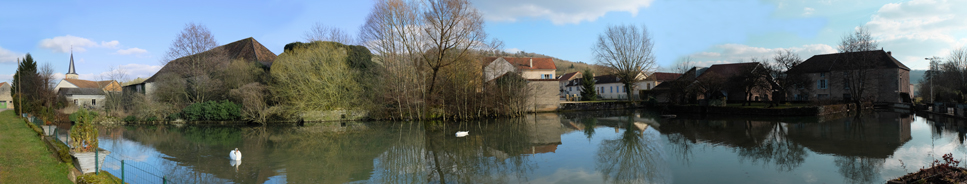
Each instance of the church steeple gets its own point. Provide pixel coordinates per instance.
(71, 74)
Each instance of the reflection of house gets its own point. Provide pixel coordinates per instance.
(876, 135)
(6, 99)
(84, 93)
(247, 49)
(544, 131)
(889, 78)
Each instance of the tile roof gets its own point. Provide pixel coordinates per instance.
(248, 49)
(80, 83)
(605, 79)
(570, 76)
(831, 62)
(3, 83)
(524, 63)
(662, 76)
(79, 91)
(728, 70)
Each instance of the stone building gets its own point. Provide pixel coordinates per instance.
(85, 93)
(6, 97)
(888, 79)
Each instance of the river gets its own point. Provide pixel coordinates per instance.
(581, 147)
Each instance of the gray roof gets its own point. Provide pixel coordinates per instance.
(80, 91)
(833, 62)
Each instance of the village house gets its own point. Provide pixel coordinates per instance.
(6, 99)
(889, 80)
(564, 81)
(610, 87)
(539, 73)
(247, 49)
(717, 81)
(84, 93)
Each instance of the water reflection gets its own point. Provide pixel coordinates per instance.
(597, 147)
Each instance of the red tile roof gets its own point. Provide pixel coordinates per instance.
(3, 84)
(524, 63)
(662, 76)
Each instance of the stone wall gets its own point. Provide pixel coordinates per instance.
(593, 106)
(800, 111)
(544, 95)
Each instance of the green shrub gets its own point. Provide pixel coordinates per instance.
(212, 111)
(151, 118)
(83, 132)
(130, 119)
(174, 116)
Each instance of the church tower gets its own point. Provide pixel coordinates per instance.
(71, 74)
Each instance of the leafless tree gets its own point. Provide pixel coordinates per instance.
(684, 64)
(858, 65)
(416, 40)
(627, 49)
(194, 39)
(751, 79)
(322, 32)
(785, 82)
(195, 57)
(113, 96)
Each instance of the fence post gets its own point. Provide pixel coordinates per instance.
(164, 180)
(122, 171)
(96, 167)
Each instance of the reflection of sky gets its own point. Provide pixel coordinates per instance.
(143, 164)
(574, 161)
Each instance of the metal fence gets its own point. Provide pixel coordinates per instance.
(126, 170)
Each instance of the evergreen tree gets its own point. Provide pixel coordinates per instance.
(24, 81)
(588, 93)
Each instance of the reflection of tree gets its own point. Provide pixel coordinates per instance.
(589, 124)
(859, 169)
(634, 158)
(489, 155)
(681, 146)
(776, 149)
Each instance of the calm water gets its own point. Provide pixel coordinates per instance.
(587, 147)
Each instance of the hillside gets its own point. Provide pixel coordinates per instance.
(916, 76)
(563, 66)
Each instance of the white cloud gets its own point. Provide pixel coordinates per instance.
(558, 11)
(7, 56)
(736, 53)
(63, 44)
(139, 70)
(512, 50)
(110, 44)
(920, 28)
(808, 11)
(134, 50)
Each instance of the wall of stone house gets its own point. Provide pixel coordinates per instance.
(544, 96)
(6, 97)
(87, 101)
(888, 84)
(536, 74)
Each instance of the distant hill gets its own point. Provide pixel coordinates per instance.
(916, 76)
(563, 66)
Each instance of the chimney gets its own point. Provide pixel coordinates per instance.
(532, 63)
(889, 53)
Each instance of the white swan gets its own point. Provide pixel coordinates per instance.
(235, 154)
(463, 133)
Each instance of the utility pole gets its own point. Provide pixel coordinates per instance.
(20, 89)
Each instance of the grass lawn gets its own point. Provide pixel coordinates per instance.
(23, 156)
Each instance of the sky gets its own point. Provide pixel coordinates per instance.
(134, 35)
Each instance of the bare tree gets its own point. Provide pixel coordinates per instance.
(416, 40)
(858, 65)
(751, 79)
(113, 99)
(785, 82)
(195, 57)
(627, 50)
(322, 32)
(684, 64)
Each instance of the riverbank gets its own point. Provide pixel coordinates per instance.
(25, 158)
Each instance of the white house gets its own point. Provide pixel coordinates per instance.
(529, 68)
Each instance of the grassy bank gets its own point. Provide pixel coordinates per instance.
(24, 158)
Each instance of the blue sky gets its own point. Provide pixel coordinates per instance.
(134, 35)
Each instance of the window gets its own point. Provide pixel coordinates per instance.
(546, 76)
(822, 74)
(610, 89)
(845, 84)
(93, 102)
(821, 84)
(75, 102)
(649, 86)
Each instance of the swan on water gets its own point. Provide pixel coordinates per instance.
(463, 133)
(235, 154)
